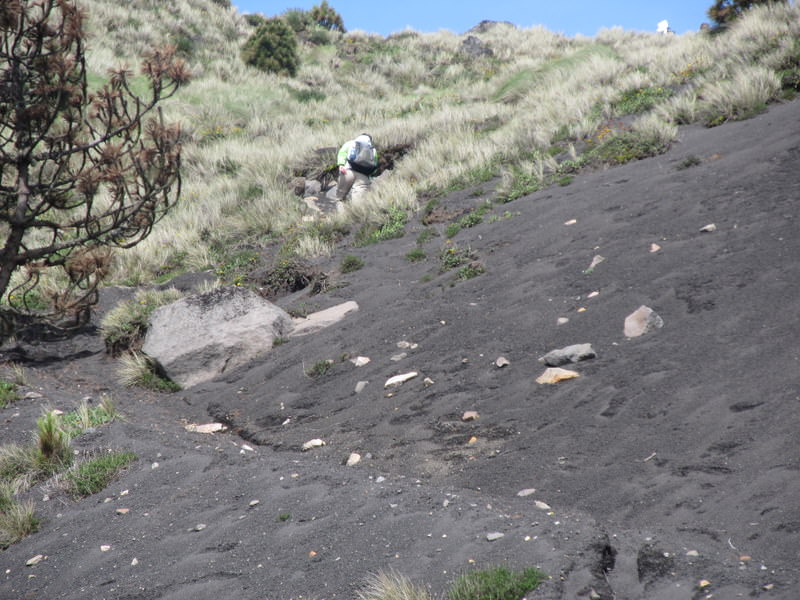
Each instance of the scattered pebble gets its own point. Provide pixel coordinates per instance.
(427, 382)
(470, 415)
(199, 527)
(654, 247)
(473, 440)
(562, 321)
(254, 503)
(353, 459)
(134, 562)
(399, 357)
(205, 428)
(105, 548)
(501, 362)
(360, 361)
(495, 535)
(556, 374)
(526, 492)
(692, 553)
(315, 443)
(35, 560)
(400, 379)
(123, 511)
(571, 222)
(541, 505)
(708, 228)
(360, 386)
(641, 321)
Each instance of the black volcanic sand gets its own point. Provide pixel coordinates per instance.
(673, 459)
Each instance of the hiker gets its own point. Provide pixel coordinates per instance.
(357, 160)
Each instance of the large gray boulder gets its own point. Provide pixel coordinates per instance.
(200, 337)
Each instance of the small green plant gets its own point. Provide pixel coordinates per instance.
(137, 369)
(392, 586)
(452, 229)
(86, 416)
(426, 235)
(497, 583)
(471, 270)
(53, 444)
(452, 257)
(319, 368)
(8, 393)
(688, 162)
(17, 520)
(640, 100)
(351, 263)
(392, 226)
(415, 255)
(283, 517)
(564, 180)
(622, 147)
(92, 476)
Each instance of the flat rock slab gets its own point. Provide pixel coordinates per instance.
(322, 319)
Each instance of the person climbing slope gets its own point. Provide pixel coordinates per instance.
(357, 160)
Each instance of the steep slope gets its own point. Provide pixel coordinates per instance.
(671, 460)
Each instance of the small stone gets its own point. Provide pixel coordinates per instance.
(360, 386)
(199, 527)
(353, 459)
(654, 248)
(399, 357)
(35, 560)
(571, 222)
(526, 492)
(473, 440)
(254, 503)
(427, 382)
(247, 448)
(703, 583)
(692, 553)
(641, 321)
(360, 361)
(556, 374)
(501, 362)
(32, 396)
(569, 354)
(105, 548)
(123, 511)
(562, 321)
(134, 562)
(205, 428)
(745, 558)
(400, 379)
(593, 294)
(495, 535)
(541, 505)
(470, 415)
(154, 465)
(708, 228)
(595, 261)
(769, 586)
(315, 443)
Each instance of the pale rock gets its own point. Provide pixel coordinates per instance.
(199, 337)
(541, 505)
(595, 261)
(35, 560)
(322, 319)
(399, 357)
(556, 374)
(360, 386)
(526, 492)
(654, 248)
(105, 548)
(400, 379)
(470, 415)
(33, 396)
(641, 321)
(571, 222)
(353, 459)
(494, 536)
(315, 443)
(427, 382)
(123, 511)
(404, 344)
(569, 354)
(134, 562)
(205, 427)
(562, 321)
(692, 553)
(709, 228)
(254, 503)
(360, 361)
(501, 362)
(199, 527)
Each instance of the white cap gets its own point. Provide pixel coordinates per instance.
(364, 139)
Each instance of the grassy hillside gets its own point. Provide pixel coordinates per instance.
(535, 109)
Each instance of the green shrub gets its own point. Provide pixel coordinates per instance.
(54, 451)
(17, 520)
(620, 148)
(688, 162)
(272, 48)
(392, 226)
(94, 475)
(8, 393)
(326, 17)
(351, 263)
(415, 255)
(498, 583)
(452, 257)
(471, 270)
(139, 370)
(319, 368)
(640, 100)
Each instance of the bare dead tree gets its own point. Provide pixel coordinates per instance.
(81, 171)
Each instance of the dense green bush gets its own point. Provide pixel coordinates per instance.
(272, 48)
(723, 12)
(325, 16)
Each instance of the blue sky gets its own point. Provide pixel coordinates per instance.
(569, 17)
